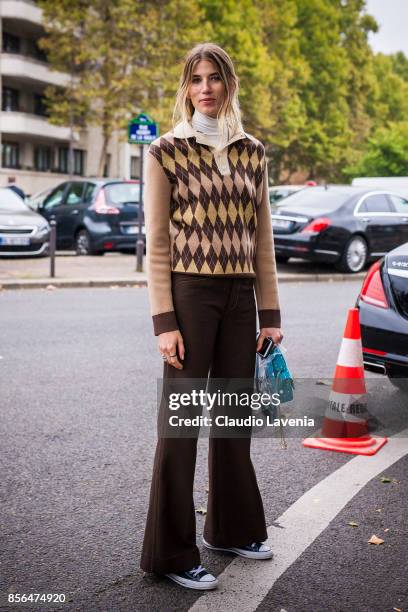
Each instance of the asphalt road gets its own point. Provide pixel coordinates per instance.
(78, 374)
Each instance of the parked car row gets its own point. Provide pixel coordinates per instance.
(340, 224)
(345, 225)
(93, 216)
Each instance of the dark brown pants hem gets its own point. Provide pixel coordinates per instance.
(179, 563)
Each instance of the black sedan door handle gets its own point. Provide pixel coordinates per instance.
(75, 212)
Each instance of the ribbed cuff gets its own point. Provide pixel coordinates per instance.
(269, 318)
(164, 322)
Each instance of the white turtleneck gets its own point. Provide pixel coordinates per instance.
(208, 126)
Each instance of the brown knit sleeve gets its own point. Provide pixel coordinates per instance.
(157, 221)
(266, 282)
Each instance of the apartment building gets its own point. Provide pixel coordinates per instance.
(33, 151)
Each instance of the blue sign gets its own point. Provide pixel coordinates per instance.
(142, 130)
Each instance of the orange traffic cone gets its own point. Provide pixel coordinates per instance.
(345, 426)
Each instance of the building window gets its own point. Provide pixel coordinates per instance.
(10, 157)
(10, 99)
(40, 107)
(11, 43)
(63, 156)
(135, 167)
(63, 161)
(78, 162)
(106, 167)
(42, 158)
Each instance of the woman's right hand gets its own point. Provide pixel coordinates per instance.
(171, 345)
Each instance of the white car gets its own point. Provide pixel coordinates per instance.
(22, 231)
(397, 184)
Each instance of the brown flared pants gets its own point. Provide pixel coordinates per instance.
(217, 319)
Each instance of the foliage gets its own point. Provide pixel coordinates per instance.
(311, 87)
(386, 153)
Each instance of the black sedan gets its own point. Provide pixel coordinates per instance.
(340, 224)
(383, 305)
(94, 215)
(22, 231)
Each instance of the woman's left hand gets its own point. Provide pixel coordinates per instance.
(269, 332)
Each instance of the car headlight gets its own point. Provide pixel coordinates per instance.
(43, 228)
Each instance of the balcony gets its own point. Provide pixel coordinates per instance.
(21, 10)
(25, 124)
(30, 70)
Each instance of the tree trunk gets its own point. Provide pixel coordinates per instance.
(102, 158)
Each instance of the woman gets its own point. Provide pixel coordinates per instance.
(209, 245)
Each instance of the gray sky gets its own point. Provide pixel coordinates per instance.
(392, 18)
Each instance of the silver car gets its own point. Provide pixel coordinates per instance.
(22, 230)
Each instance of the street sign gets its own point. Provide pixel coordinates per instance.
(142, 130)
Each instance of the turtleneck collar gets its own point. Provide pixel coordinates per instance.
(205, 124)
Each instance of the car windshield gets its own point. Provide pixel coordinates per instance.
(11, 201)
(123, 193)
(316, 198)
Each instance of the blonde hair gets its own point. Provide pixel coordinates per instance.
(229, 114)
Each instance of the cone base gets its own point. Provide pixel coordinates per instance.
(365, 445)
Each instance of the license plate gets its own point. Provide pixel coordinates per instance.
(133, 229)
(283, 223)
(14, 240)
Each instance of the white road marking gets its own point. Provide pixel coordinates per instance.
(245, 583)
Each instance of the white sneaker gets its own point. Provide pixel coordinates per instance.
(256, 550)
(196, 578)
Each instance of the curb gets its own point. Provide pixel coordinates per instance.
(53, 283)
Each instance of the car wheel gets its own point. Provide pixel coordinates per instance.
(83, 245)
(354, 256)
(281, 258)
(400, 383)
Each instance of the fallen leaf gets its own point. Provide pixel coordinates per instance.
(50, 287)
(379, 510)
(397, 609)
(385, 530)
(201, 510)
(375, 540)
(353, 524)
(385, 479)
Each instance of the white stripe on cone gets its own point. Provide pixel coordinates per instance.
(351, 353)
(347, 407)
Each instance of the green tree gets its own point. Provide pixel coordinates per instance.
(391, 100)
(386, 153)
(291, 72)
(236, 26)
(121, 55)
(333, 42)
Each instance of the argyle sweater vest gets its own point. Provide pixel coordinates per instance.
(213, 218)
(207, 212)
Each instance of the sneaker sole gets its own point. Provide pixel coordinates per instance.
(197, 586)
(240, 552)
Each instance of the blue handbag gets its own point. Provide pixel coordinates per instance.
(272, 376)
